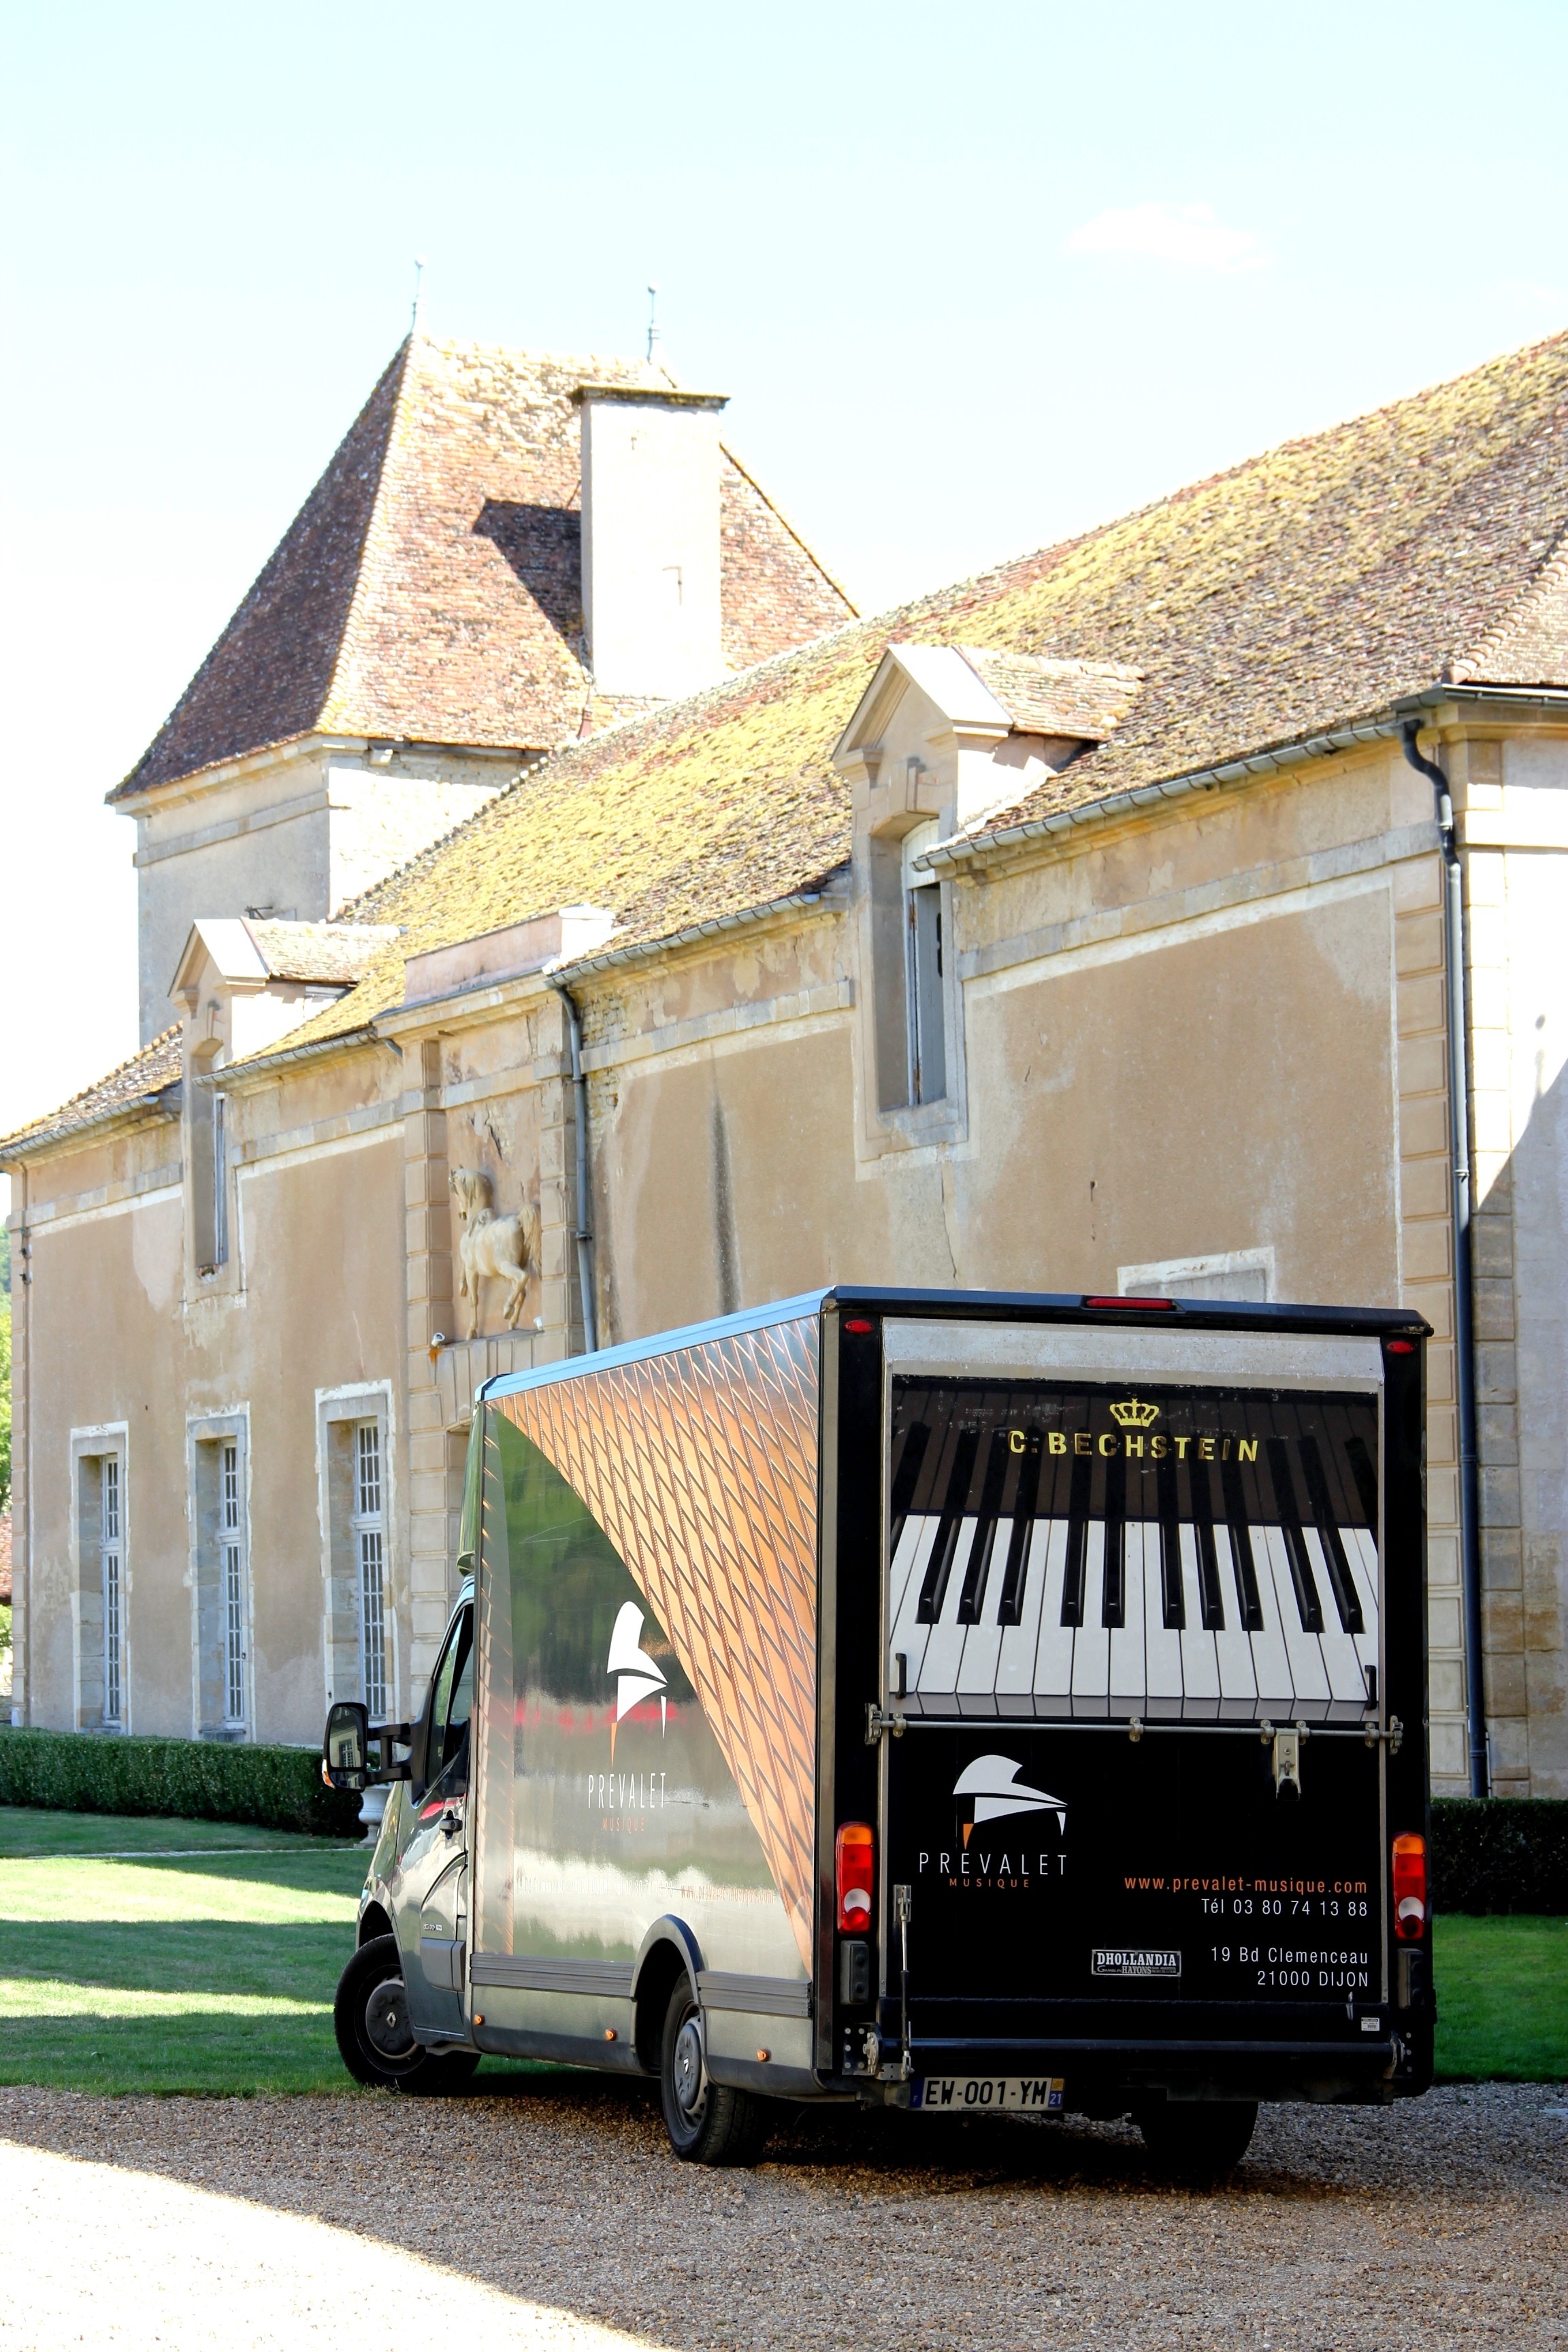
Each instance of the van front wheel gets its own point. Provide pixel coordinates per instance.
(376, 2042)
(708, 2122)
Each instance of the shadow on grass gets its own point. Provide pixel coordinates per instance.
(301, 1962)
(199, 2052)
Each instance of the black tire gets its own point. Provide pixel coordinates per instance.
(440, 2077)
(370, 2018)
(1198, 2140)
(708, 2122)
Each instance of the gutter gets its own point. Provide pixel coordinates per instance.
(232, 1073)
(1464, 1318)
(584, 1233)
(148, 1107)
(1141, 796)
(645, 950)
(1279, 756)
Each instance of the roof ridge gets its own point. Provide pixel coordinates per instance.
(47, 1122)
(316, 510)
(143, 1054)
(804, 544)
(337, 691)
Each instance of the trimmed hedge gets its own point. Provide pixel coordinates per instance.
(1502, 1853)
(1499, 1854)
(195, 1780)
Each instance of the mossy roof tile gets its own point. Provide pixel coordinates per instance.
(1300, 590)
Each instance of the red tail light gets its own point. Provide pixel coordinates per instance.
(1409, 1888)
(1134, 1306)
(854, 1864)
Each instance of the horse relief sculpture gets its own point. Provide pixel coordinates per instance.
(492, 1248)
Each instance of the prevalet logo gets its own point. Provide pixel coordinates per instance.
(638, 1676)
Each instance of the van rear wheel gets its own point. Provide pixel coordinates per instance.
(1198, 2140)
(708, 2122)
(376, 2042)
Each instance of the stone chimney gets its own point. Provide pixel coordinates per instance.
(650, 539)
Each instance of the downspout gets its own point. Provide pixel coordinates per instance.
(25, 1251)
(584, 1233)
(1464, 1338)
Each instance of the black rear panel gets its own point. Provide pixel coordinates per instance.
(1088, 1601)
(1064, 1883)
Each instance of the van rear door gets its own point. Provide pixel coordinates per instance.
(1116, 1564)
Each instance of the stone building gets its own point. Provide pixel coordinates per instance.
(1080, 928)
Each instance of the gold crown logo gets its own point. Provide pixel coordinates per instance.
(1133, 1415)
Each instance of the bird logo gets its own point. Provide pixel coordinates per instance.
(638, 1676)
(994, 1789)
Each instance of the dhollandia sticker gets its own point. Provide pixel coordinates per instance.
(1123, 1960)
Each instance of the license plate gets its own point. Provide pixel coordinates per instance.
(980, 2094)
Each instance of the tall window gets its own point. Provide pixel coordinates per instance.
(906, 956)
(231, 1553)
(209, 1170)
(922, 986)
(370, 1546)
(220, 1181)
(111, 1551)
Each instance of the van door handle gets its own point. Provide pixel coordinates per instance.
(451, 1823)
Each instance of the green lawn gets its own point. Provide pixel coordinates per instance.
(1503, 2000)
(142, 1954)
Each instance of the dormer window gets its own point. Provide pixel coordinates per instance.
(242, 988)
(947, 742)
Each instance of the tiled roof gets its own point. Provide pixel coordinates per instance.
(1304, 589)
(1086, 700)
(429, 589)
(319, 953)
(136, 1084)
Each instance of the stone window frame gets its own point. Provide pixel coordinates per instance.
(210, 1159)
(881, 860)
(340, 1411)
(204, 1474)
(92, 1443)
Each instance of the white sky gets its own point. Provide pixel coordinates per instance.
(972, 279)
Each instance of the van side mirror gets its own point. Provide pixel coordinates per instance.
(345, 1750)
(346, 1761)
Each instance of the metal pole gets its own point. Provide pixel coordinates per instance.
(582, 1232)
(1464, 1336)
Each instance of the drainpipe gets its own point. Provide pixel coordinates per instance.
(22, 1264)
(584, 1235)
(1464, 1340)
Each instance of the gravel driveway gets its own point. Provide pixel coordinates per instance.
(555, 2213)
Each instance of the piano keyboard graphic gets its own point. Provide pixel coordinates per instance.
(1105, 1617)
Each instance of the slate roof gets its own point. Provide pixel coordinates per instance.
(136, 1084)
(429, 589)
(1303, 589)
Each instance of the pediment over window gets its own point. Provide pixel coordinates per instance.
(243, 982)
(982, 725)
